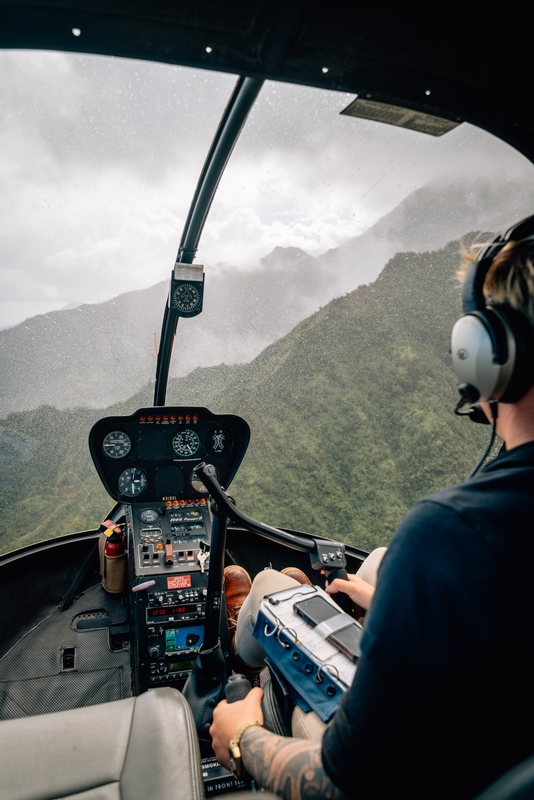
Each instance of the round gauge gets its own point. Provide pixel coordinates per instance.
(148, 515)
(197, 484)
(186, 443)
(132, 482)
(116, 444)
(186, 298)
(219, 441)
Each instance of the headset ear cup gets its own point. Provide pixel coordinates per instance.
(492, 347)
(521, 336)
(480, 356)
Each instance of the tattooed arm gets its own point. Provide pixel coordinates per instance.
(292, 768)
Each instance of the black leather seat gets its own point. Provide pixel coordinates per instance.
(130, 749)
(134, 749)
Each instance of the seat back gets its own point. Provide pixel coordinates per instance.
(129, 749)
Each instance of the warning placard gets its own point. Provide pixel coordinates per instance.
(179, 582)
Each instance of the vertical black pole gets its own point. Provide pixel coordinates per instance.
(215, 579)
(230, 126)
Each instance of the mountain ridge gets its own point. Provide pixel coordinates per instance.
(351, 416)
(104, 352)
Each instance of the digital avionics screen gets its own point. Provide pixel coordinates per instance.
(186, 638)
(178, 666)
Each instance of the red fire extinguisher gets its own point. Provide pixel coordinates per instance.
(114, 545)
(114, 563)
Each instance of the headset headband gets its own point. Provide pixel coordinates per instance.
(472, 289)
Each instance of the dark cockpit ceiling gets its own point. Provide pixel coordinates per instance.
(471, 65)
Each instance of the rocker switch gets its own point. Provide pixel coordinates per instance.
(168, 555)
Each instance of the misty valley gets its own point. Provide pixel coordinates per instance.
(351, 415)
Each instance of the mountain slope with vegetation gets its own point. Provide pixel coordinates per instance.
(351, 418)
(352, 414)
(101, 353)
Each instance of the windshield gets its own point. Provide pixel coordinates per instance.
(330, 255)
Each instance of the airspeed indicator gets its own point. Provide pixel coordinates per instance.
(185, 443)
(116, 444)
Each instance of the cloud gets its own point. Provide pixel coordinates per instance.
(99, 159)
(241, 238)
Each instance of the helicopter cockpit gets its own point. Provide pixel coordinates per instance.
(293, 403)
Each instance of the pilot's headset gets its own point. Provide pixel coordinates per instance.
(492, 346)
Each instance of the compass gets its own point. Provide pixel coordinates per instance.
(186, 298)
(186, 290)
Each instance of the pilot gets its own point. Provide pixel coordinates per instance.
(443, 698)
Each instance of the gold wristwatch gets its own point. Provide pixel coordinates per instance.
(236, 762)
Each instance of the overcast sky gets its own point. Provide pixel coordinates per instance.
(99, 160)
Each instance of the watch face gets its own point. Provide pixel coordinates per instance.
(186, 298)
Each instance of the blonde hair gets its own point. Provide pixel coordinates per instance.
(510, 278)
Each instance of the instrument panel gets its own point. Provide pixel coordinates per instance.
(149, 456)
(169, 556)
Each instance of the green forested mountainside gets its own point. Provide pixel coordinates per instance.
(352, 413)
(351, 419)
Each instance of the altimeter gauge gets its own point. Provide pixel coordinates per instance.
(186, 443)
(132, 482)
(116, 444)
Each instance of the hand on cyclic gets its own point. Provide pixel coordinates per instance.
(360, 592)
(228, 718)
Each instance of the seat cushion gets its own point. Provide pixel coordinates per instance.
(130, 749)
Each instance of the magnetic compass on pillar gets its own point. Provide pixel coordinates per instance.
(187, 289)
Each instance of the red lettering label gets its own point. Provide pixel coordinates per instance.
(179, 582)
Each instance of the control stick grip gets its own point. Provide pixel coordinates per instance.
(342, 599)
(237, 688)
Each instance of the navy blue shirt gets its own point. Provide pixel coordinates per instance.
(443, 698)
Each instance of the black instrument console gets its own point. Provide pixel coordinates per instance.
(146, 462)
(167, 617)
